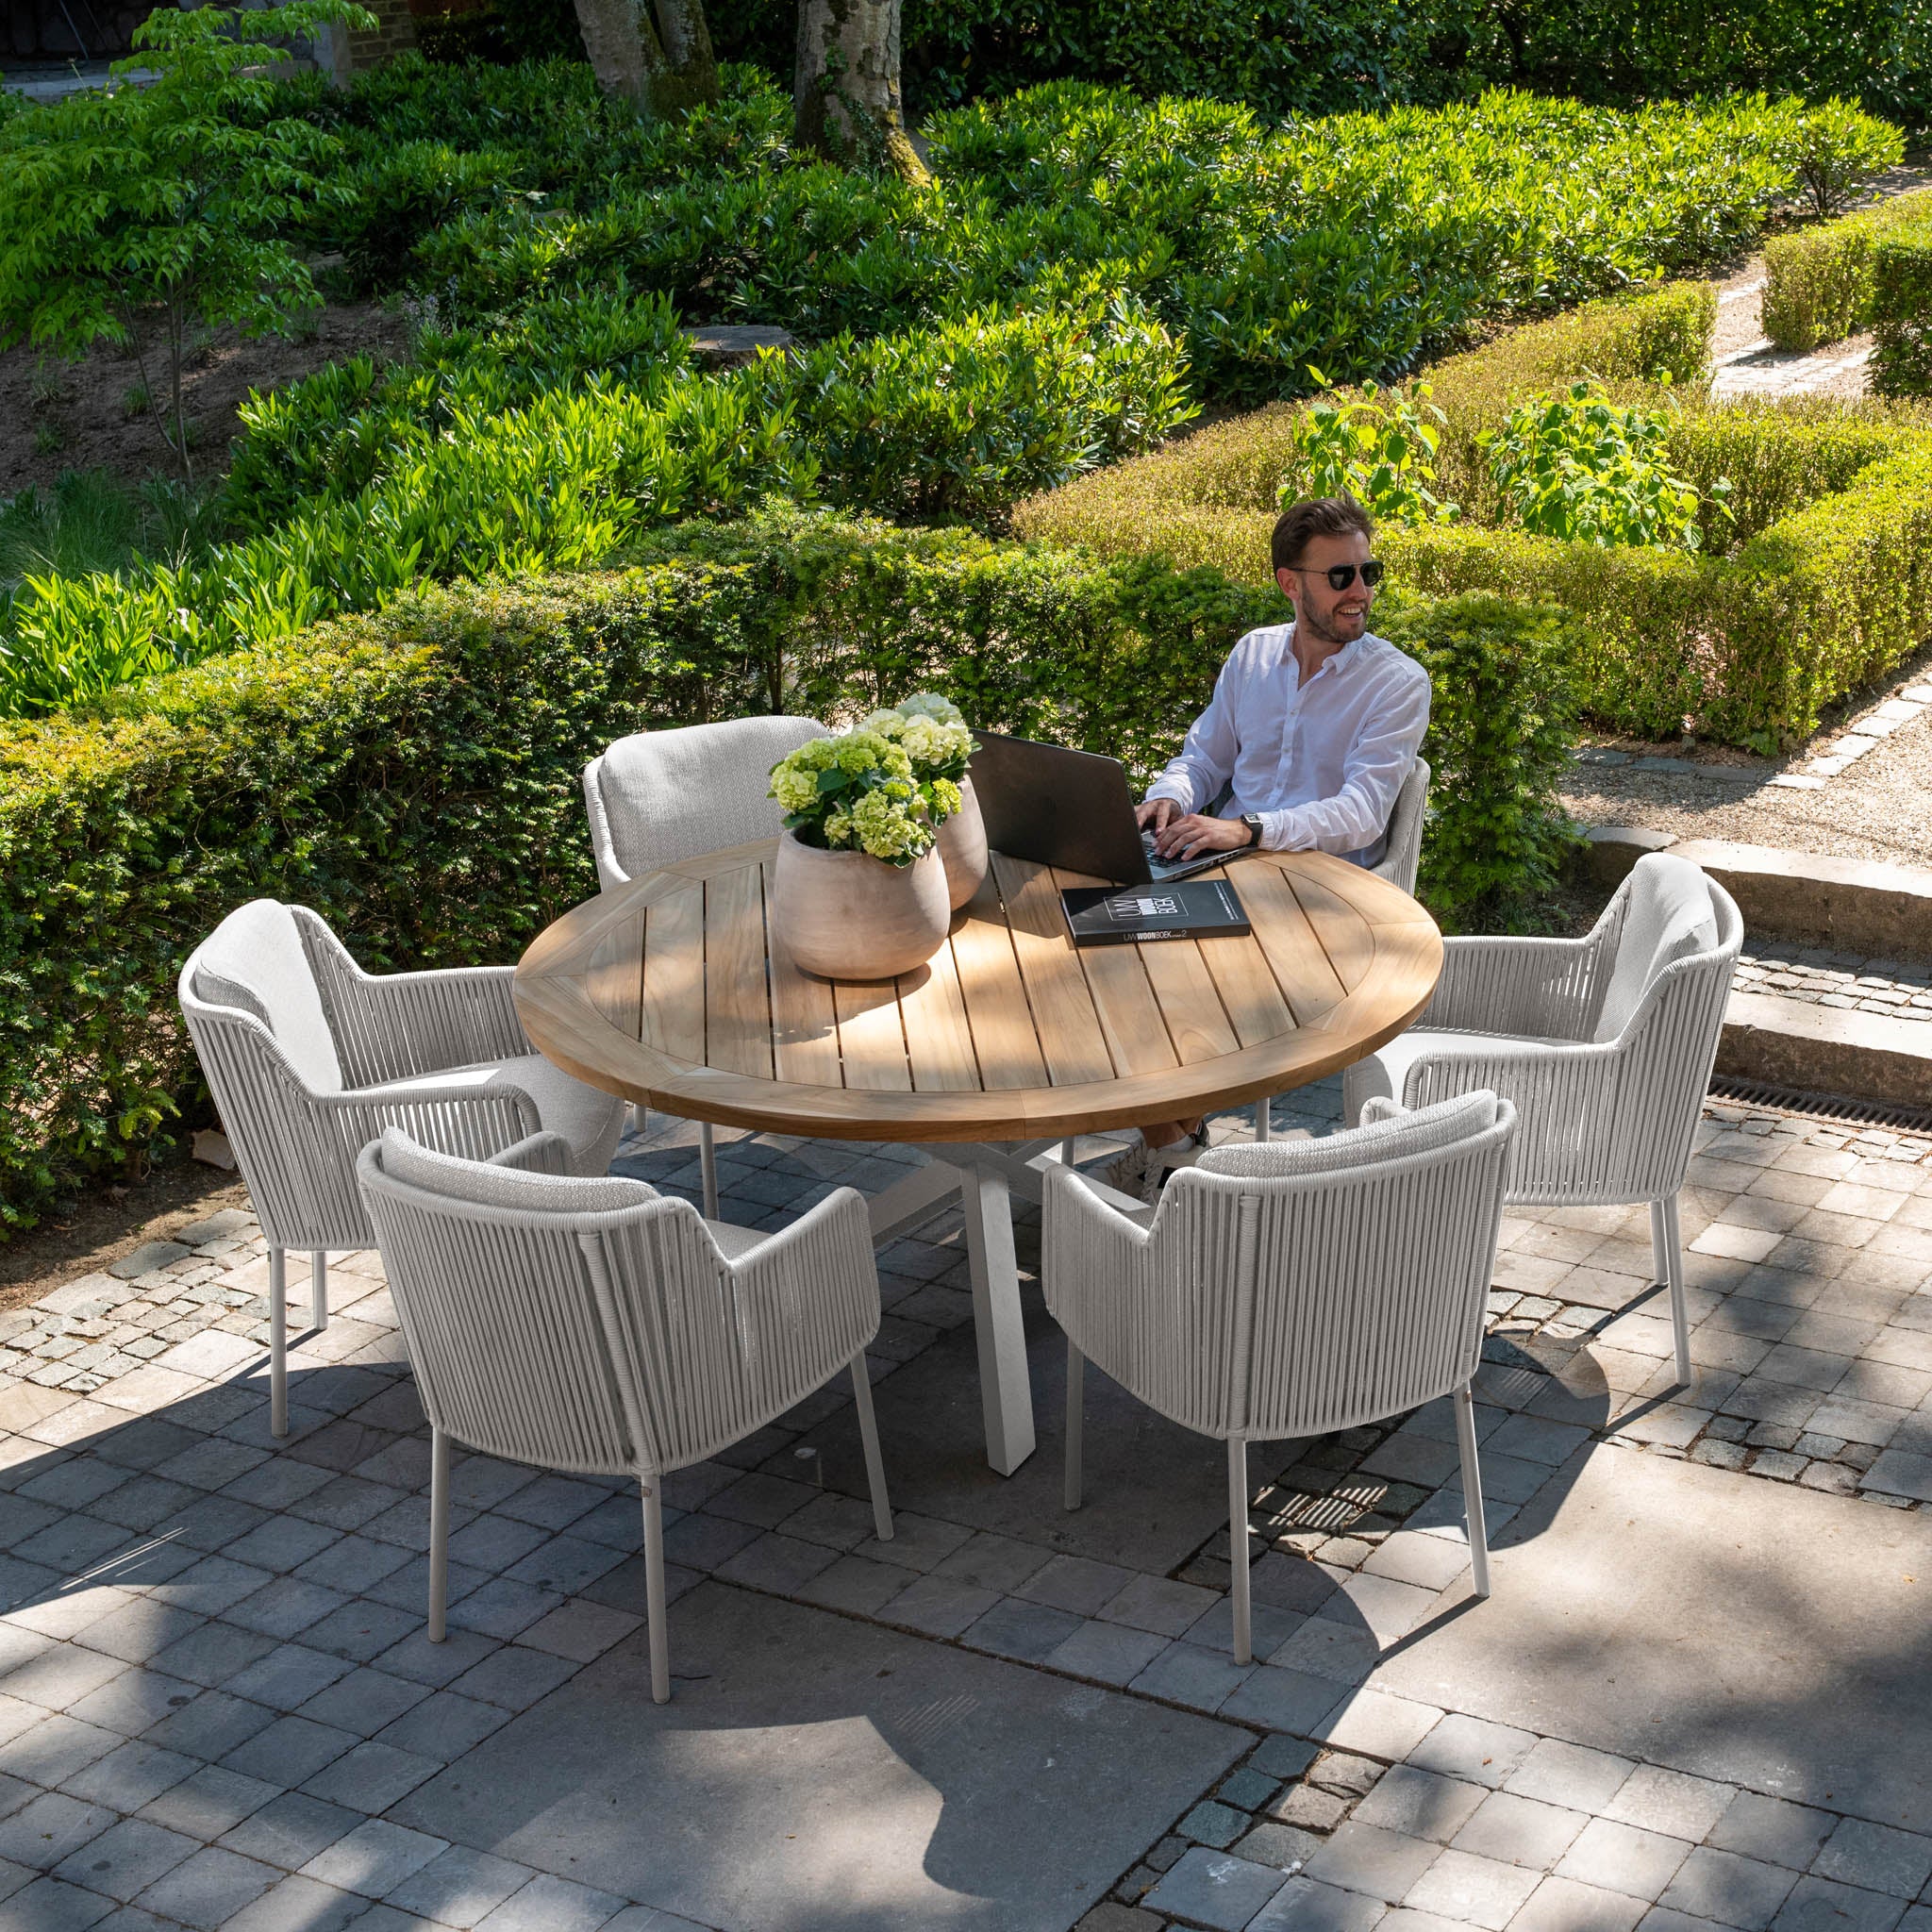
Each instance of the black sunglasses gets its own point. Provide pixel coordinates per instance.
(1340, 575)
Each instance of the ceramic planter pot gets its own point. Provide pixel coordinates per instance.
(962, 847)
(846, 915)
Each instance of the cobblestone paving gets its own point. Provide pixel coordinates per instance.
(214, 1682)
(1894, 989)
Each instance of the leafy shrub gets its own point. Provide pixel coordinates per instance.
(390, 202)
(414, 774)
(1577, 468)
(1818, 281)
(1837, 152)
(1902, 312)
(1381, 454)
(134, 214)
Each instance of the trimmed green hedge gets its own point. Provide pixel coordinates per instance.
(1818, 281)
(413, 774)
(1813, 593)
(1901, 311)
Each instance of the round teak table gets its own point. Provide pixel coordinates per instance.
(675, 992)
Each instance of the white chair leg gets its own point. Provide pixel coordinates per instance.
(439, 1533)
(1667, 1255)
(653, 1589)
(869, 1437)
(1076, 1418)
(1238, 1547)
(277, 1341)
(1264, 1120)
(1472, 1491)
(318, 1289)
(708, 1160)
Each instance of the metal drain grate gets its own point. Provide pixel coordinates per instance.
(1825, 1106)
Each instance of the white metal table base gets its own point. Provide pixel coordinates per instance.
(983, 1179)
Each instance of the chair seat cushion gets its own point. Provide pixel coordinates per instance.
(586, 1117)
(1670, 918)
(734, 1240)
(1385, 1073)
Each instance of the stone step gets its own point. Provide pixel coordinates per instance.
(1835, 1050)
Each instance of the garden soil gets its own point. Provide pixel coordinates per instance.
(84, 404)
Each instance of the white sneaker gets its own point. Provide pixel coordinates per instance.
(1142, 1170)
(1128, 1174)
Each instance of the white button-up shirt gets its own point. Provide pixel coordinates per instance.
(1320, 762)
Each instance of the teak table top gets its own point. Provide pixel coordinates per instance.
(674, 991)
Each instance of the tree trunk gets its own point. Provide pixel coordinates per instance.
(846, 99)
(661, 74)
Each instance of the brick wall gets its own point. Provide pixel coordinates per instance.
(395, 31)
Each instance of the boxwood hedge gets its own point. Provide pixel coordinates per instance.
(413, 774)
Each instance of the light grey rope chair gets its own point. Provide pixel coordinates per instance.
(595, 1327)
(1605, 1043)
(662, 797)
(1290, 1291)
(1401, 854)
(309, 1056)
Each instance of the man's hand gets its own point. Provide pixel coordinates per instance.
(1195, 834)
(1155, 812)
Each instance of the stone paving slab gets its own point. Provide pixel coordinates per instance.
(806, 1758)
(1892, 988)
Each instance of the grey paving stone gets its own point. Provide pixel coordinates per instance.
(1625, 1858)
(459, 1886)
(1568, 1775)
(553, 1905)
(1283, 1700)
(1670, 1802)
(1185, 1673)
(857, 1585)
(1735, 1891)
(1214, 1825)
(207, 1889)
(1876, 1857)
(1520, 1830)
(1323, 1648)
(938, 1606)
(1773, 1829)
(1363, 1858)
(1158, 1603)
(364, 1701)
(49, 1829)
(514, 1676)
(1305, 1905)
(1473, 1749)
(1270, 1628)
(373, 1776)
(126, 1778)
(375, 1858)
(211, 1725)
(1110, 1653)
(1474, 1890)
(1566, 1905)
(288, 1751)
(1281, 1756)
(1420, 1804)
(289, 1830)
(125, 1859)
(1215, 1888)
(1309, 1808)
(50, 1904)
(1076, 1584)
(1823, 1905)
(1027, 1632)
(304, 1904)
(443, 1726)
(286, 1677)
(1283, 1846)
(209, 1802)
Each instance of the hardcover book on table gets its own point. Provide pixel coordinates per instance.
(1131, 915)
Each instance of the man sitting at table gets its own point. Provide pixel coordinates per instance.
(1311, 730)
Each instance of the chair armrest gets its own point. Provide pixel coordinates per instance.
(539, 1154)
(453, 1117)
(1087, 1247)
(1549, 988)
(815, 1283)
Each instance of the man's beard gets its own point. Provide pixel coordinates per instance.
(1327, 633)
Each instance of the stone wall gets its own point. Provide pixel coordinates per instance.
(394, 31)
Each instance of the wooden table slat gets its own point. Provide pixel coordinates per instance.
(1188, 998)
(738, 1004)
(1129, 1013)
(1294, 955)
(1071, 1037)
(614, 977)
(1250, 995)
(1343, 932)
(871, 1037)
(805, 1022)
(674, 1007)
(939, 1035)
(1004, 1040)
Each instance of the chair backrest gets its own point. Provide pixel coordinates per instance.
(1673, 912)
(662, 797)
(579, 1324)
(1403, 848)
(255, 961)
(1292, 1288)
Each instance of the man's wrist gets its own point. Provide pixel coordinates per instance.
(1252, 820)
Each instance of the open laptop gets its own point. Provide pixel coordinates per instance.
(1072, 809)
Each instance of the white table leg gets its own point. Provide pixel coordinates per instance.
(909, 1203)
(1006, 1395)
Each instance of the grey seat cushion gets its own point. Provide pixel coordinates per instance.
(1421, 1132)
(488, 1183)
(1670, 917)
(669, 795)
(584, 1116)
(254, 959)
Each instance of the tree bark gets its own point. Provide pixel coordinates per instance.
(661, 72)
(846, 99)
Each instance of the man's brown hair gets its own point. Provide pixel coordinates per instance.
(1316, 516)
